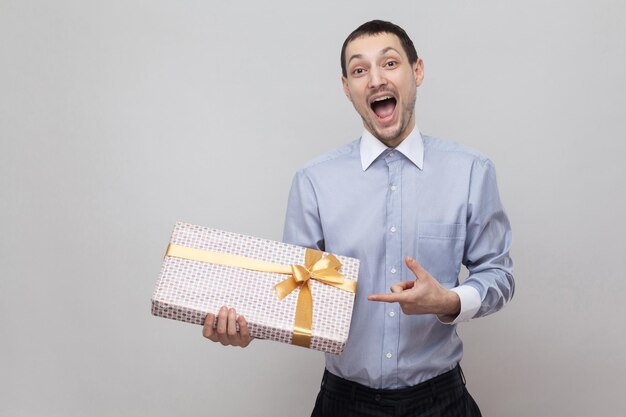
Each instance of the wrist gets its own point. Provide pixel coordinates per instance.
(451, 306)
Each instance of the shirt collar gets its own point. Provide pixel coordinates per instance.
(412, 147)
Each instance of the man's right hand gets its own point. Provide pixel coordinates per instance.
(226, 331)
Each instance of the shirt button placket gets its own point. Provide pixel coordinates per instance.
(393, 249)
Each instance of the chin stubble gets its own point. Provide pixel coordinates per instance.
(404, 120)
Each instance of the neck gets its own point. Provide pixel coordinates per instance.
(394, 142)
(397, 140)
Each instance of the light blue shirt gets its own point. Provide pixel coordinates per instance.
(430, 199)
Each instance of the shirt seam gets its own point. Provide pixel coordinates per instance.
(340, 152)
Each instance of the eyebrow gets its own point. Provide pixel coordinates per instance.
(382, 52)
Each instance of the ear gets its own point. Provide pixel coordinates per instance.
(418, 69)
(346, 89)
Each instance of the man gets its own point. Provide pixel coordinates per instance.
(391, 197)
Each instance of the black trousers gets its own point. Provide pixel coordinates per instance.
(442, 396)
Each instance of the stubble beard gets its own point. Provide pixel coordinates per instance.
(395, 134)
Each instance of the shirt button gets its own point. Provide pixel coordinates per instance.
(392, 153)
(393, 270)
(393, 229)
(388, 355)
(392, 313)
(394, 188)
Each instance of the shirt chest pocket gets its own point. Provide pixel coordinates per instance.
(440, 249)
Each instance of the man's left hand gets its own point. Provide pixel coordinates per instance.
(425, 295)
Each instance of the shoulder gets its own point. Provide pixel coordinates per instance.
(329, 162)
(437, 148)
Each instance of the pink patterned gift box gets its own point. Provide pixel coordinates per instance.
(189, 289)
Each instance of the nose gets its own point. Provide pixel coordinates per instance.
(377, 78)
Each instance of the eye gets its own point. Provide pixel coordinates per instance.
(391, 64)
(358, 71)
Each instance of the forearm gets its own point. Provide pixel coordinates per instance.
(495, 287)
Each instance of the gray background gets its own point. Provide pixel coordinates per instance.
(119, 118)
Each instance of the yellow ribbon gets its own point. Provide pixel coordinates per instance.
(316, 266)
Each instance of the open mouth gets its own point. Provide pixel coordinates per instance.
(384, 106)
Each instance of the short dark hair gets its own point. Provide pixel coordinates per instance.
(375, 27)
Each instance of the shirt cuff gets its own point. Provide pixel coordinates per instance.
(470, 303)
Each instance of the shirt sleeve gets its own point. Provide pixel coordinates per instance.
(302, 221)
(490, 283)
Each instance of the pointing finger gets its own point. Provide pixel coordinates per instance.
(387, 298)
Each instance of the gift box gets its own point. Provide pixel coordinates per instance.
(287, 293)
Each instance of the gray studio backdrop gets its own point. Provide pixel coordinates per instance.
(119, 118)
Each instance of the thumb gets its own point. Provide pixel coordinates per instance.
(416, 268)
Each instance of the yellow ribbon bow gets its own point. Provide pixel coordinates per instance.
(321, 268)
(318, 267)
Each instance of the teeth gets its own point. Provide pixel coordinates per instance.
(383, 98)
